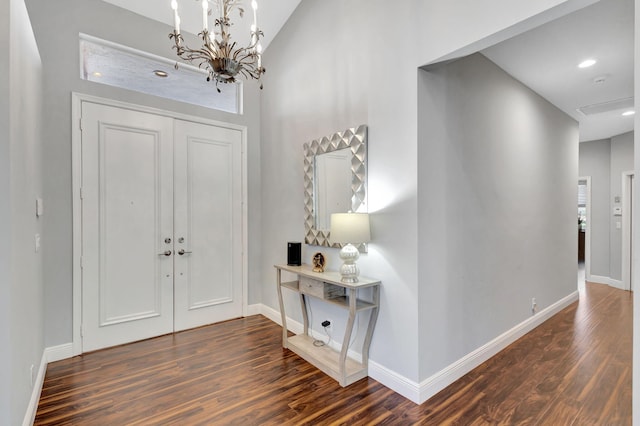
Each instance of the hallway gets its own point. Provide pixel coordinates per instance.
(573, 369)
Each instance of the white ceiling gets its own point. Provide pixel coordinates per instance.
(546, 58)
(272, 14)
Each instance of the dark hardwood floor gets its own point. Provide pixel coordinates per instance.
(575, 369)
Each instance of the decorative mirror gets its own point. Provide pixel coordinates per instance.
(335, 181)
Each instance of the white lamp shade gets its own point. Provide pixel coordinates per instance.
(350, 228)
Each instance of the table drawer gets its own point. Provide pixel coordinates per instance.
(320, 289)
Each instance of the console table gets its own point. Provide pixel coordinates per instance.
(328, 287)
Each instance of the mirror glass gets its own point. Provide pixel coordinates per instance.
(332, 186)
(335, 181)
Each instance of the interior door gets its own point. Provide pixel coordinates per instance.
(127, 213)
(208, 224)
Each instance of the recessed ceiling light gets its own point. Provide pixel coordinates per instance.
(161, 73)
(628, 113)
(587, 63)
(97, 74)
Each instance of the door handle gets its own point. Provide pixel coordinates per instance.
(165, 253)
(181, 252)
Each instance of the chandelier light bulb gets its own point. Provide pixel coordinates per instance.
(205, 15)
(176, 18)
(254, 6)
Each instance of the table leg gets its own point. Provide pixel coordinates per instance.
(347, 336)
(305, 316)
(372, 323)
(283, 316)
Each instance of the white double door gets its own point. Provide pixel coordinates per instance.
(161, 225)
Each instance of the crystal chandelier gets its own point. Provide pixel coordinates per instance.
(218, 54)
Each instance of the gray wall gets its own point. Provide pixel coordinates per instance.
(21, 271)
(621, 161)
(595, 161)
(329, 90)
(605, 161)
(331, 68)
(56, 25)
(497, 178)
(5, 218)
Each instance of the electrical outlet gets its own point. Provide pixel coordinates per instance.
(326, 323)
(534, 305)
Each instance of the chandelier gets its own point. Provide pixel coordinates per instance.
(221, 57)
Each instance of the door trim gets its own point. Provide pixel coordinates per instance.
(627, 227)
(587, 242)
(76, 179)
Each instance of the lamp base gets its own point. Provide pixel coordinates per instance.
(349, 270)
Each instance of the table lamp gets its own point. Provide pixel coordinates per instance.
(350, 229)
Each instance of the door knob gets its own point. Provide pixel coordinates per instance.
(182, 251)
(167, 240)
(165, 253)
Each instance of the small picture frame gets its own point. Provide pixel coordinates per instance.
(318, 262)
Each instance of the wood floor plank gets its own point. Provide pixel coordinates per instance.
(573, 369)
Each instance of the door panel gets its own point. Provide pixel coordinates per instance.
(150, 185)
(208, 226)
(127, 212)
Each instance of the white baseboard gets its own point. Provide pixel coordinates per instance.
(32, 408)
(52, 354)
(254, 309)
(617, 284)
(606, 280)
(60, 352)
(394, 381)
(421, 392)
(292, 325)
(453, 372)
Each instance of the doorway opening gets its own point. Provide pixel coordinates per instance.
(584, 230)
